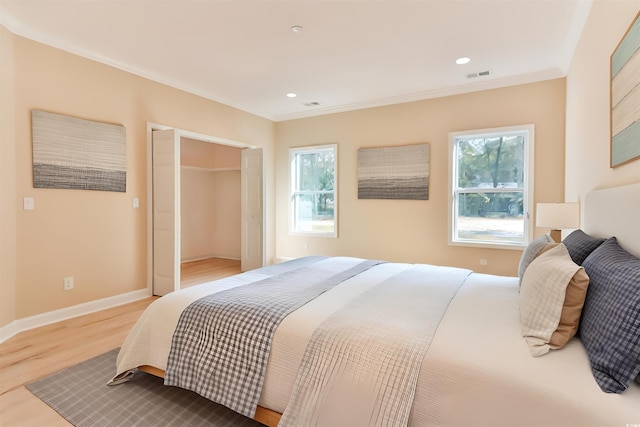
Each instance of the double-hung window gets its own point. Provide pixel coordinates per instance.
(491, 186)
(313, 196)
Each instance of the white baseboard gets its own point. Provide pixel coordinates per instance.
(201, 257)
(49, 317)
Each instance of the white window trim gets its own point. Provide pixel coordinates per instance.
(528, 185)
(292, 152)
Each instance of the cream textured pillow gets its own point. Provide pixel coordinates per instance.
(551, 300)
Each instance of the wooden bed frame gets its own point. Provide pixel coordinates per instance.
(263, 415)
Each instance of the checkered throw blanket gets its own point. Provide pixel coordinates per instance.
(361, 365)
(221, 344)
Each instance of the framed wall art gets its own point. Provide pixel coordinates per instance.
(399, 172)
(73, 153)
(625, 97)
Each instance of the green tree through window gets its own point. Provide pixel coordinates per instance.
(490, 186)
(313, 195)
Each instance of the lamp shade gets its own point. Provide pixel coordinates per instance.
(558, 215)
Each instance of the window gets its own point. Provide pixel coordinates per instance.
(313, 201)
(491, 187)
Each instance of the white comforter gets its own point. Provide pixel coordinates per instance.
(477, 371)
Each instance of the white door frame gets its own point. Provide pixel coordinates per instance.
(180, 133)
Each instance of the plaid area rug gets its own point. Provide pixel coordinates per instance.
(81, 395)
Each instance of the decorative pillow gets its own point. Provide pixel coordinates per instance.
(610, 328)
(531, 251)
(551, 299)
(548, 247)
(580, 245)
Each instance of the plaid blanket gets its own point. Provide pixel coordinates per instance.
(222, 342)
(361, 365)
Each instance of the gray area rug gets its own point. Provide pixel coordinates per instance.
(81, 395)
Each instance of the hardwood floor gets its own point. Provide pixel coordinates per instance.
(42, 351)
(206, 270)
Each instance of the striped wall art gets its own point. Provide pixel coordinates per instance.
(625, 97)
(400, 172)
(73, 153)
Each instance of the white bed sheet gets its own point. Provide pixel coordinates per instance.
(478, 370)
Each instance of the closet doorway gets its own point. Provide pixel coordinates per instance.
(206, 202)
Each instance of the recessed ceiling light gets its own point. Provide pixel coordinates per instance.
(291, 95)
(463, 60)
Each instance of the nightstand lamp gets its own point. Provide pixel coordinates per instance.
(558, 216)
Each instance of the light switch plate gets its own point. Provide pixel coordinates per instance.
(28, 204)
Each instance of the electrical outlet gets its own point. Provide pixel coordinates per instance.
(483, 261)
(68, 283)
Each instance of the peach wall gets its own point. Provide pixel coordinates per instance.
(207, 155)
(588, 88)
(7, 182)
(211, 213)
(211, 200)
(84, 233)
(98, 237)
(197, 204)
(227, 212)
(416, 231)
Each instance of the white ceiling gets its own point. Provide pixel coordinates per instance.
(349, 54)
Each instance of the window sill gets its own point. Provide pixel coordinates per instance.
(487, 245)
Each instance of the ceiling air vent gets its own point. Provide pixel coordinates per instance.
(479, 74)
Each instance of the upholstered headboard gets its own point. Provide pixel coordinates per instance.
(615, 212)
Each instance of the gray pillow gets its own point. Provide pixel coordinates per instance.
(531, 252)
(610, 323)
(580, 245)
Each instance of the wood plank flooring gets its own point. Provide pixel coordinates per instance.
(42, 351)
(206, 270)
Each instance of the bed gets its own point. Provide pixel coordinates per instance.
(470, 363)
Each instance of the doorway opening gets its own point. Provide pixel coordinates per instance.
(200, 219)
